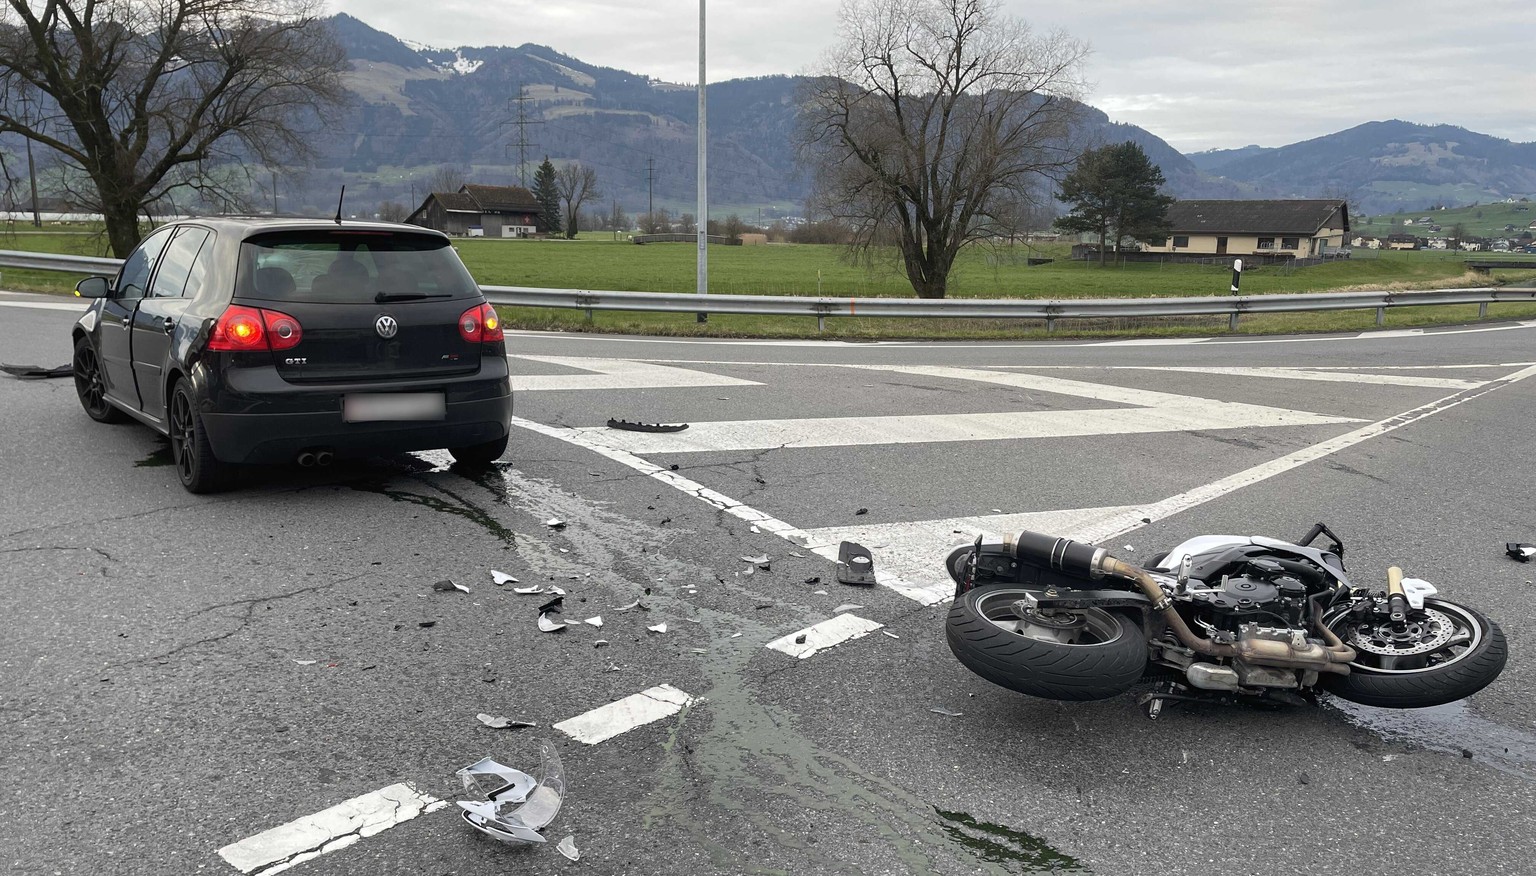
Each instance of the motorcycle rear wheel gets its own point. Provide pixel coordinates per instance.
(993, 638)
(1453, 652)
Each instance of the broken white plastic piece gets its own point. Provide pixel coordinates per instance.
(659, 628)
(633, 605)
(847, 606)
(555, 523)
(514, 806)
(946, 712)
(594, 621)
(558, 591)
(527, 590)
(502, 578)
(567, 847)
(1415, 589)
(548, 624)
(497, 723)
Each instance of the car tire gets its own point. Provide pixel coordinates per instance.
(91, 386)
(480, 454)
(199, 470)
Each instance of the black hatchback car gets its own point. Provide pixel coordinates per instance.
(274, 340)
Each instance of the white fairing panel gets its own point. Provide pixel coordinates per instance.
(1203, 544)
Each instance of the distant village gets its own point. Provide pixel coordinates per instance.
(1429, 232)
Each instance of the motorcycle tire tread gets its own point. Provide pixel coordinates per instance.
(1448, 684)
(1044, 669)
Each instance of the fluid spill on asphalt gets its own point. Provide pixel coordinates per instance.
(160, 456)
(1004, 845)
(450, 501)
(1451, 728)
(734, 759)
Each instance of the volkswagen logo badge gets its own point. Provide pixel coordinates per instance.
(386, 326)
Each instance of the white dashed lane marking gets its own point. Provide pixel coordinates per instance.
(273, 851)
(818, 637)
(637, 710)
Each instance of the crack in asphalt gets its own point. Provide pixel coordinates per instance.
(98, 551)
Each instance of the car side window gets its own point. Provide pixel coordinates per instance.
(177, 263)
(134, 277)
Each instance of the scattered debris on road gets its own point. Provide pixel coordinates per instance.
(646, 427)
(891, 634)
(594, 621)
(634, 605)
(306, 662)
(37, 372)
(426, 625)
(855, 565)
(945, 712)
(1521, 552)
(527, 591)
(513, 806)
(659, 628)
(555, 523)
(496, 723)
(861, 512)
(448, 586)
(503, 578)
(567, 847)
(548, 624)
(847, 606)
(762, 561)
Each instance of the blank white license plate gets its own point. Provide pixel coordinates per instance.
(373, 407)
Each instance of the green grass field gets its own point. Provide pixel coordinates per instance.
(1482, 220)
(597, 262)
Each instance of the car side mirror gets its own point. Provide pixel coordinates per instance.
(92, 287)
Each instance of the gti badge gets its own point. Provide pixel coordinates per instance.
(386, 326)
(299, 361)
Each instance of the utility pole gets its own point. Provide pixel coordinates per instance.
(37, 219)
(703, 278)
(650, 193)
(274, 193)
(522, 133)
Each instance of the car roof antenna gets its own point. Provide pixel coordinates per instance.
(338, 204)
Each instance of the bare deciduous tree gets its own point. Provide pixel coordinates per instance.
(576, 184)
(393, 211)
(935, 123)
(448, 177)
(148, 97)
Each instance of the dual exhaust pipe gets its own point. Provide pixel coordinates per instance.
(313, 458)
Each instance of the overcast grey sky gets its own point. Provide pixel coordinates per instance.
(1201, 75)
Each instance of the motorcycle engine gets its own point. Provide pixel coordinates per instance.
(1264, 597)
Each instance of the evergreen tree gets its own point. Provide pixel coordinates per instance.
(1114, 192)
(548, 195)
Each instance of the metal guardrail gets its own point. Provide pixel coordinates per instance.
(1048, 310)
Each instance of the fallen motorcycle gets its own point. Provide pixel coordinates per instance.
(1219, 617)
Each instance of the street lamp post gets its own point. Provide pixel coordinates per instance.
(703, 210)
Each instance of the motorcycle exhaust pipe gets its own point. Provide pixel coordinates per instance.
(306, 459)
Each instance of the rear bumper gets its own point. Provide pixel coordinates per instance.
(253, 416)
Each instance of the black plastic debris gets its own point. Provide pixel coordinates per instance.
(646, 427)
(37, 372)
(498, 723)
(553, 605)
(855, 565)
(1521, 552)
(449, 586)
(861, 512)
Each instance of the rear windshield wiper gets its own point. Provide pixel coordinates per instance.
(408, 296)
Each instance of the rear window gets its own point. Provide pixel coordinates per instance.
(351, 267)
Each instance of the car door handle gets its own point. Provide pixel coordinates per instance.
(170, 325)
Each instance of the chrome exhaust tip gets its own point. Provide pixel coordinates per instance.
(306, 459)
(324, 458)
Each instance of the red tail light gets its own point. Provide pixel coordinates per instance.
(480, 325)
(243, 329)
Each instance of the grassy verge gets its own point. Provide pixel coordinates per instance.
(598, 262)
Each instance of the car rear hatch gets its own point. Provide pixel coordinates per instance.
(370, 304)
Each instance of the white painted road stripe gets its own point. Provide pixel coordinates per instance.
(45, 305)
(833, 631)
(1324, 376)
(637, 710)
(936, 428)
(275, 850)
(616, 374)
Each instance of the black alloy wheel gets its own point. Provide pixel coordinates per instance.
(199, 470)
(91, 386)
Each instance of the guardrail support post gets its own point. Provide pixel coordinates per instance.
(821, 324)
(1232, 322)
(589, 314)
(1482, 310)
(1381, 316)
(1050, 324)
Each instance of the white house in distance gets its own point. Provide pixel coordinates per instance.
(1300, 228)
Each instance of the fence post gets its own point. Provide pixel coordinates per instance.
(1381, 316)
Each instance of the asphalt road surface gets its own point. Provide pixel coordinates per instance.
(226, 684)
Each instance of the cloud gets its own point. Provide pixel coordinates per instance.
(1198, 75)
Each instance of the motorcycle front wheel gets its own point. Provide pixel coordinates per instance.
(1090, 654)
(1443, 653)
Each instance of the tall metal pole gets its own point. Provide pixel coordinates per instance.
(703, 213)
(26, 101)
